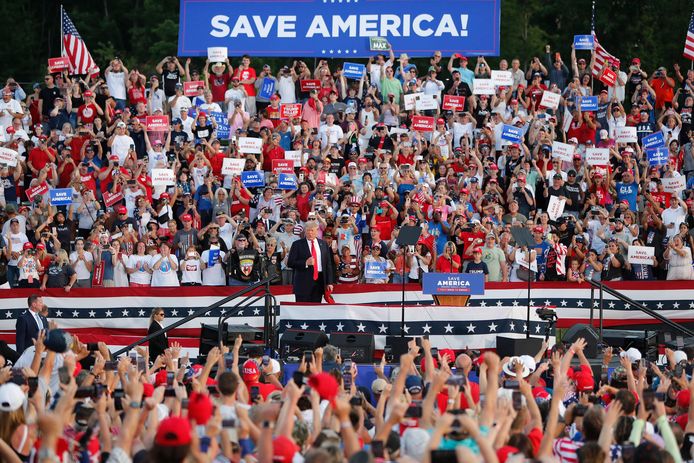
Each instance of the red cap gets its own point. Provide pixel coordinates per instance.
(283, 449)
(683, 398)
(584, 381)
(493, 167)
(200, 408)
(324, 384)
(40, 246)
(113, 157)
(440, 121)
(160, 378)
(514, 101)
(362, 160)
(173, 432)
(465, 191)
(186, 218)
(477, 250)
(164, 195)
(506, 451)
(541, 393)
(577, 156)
(10, 129)
(88, 93)
(538, 230)
(28, 245)
(121, 209)
(514, 145)
(274, 97)
(202, 114)
(22, 209)
(250, 372)
(636, 61)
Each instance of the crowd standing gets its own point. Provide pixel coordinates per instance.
(363, 173)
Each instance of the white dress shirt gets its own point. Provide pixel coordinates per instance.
(318, 262)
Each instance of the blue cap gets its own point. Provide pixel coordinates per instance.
(36, 85)
(414, 384)
(176, 121)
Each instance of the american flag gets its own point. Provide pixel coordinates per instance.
(74, 48)
(689, 42)
(601, 56)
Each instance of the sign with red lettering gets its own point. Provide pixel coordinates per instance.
(309, 84)
(191, 88)
(37, 190)
(112, 198)
(157, 123)
(453, 103)
(608, 77)
(282, 166)
(290, 110)
(423, 123)
(57, 64)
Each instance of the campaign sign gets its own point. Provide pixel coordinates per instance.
(163, 177)
(625, 134)
(674, 184)
(112, 198)
(252, 178)
(641, 255)
(450, 284)
(57, 64)
(378, 44)
(597, 156)
(267, 89)
(550, 100)
(212, 257)
(222, 124)
(353, 70)
(426, 102)
(250, 145)
(584, 42)
(309, 84)
(512, 133)
(589, 103)
(217, 54)
(290, 111)
(287, 182)
(282, 166)
(563, 151)
(483, 87)
(375, 270)
(657, 156)
(410, 100)
(555, 207)
(38, 190)
(654, 140)
(157, 123)
(608, 77)
(8, 157)
(453, 103)
(319, 28)
(61, 196)
(423, 123)
(502, 78)
(191, 88)
(233, 166)
(294, 156)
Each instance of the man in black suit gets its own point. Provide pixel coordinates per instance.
(311, 280)
(30, 323)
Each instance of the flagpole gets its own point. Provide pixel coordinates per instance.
(592, 29)
(61, 31)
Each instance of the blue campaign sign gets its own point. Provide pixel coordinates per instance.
(452, 284)
(353, 70)
(589, 103)
(657, 156)
(61, 196)
(375, 270)
(212, 257)
(654, 140)
(222, 125)
(584, 42)
(322, 28)
(512, 133)
(252, 178)
(287, 182)
(267, 89)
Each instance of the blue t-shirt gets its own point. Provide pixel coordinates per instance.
(107, 259)
(628, 191)
(436, 229)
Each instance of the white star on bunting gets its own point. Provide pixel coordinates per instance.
(340, 326)
(426, 328)
(449, 328)
(382, 329)
(361, 327)
(493, 326)
(470, 328)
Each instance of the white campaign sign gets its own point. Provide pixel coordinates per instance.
(567, 121)
(250, 145)
(555, 208)
(163, 177)
(411, 100)
(217, 54)
(597, 156)
(641, 255)
(674, 184)
(8, 157)
(233, 166)
(502, 78)
(625, 134)
(523, 260)
(426, 102)
(295, 156)
(550, 100)
(483, 87)
(563, 151)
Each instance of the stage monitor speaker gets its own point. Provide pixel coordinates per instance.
(627, 338)
(294, 342)
(510, 347)
(398, 346)
(209, 338)
(357, 346)
(587, 332)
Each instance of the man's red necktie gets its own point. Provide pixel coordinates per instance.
(314, 256)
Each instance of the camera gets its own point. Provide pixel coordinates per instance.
(92, 392)
(546, 314)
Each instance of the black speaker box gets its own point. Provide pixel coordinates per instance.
(509, 347)
(295, 342)
(398, 346)
(357, 346)
(587, 332)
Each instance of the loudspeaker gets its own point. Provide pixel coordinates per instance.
(510, 347)
(586, 332)
(357, 346)
(629, 338)
(295, 342)
(209, 338)
(398, 346)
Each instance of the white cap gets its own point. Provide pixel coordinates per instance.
(680, 356)
(275, 366)
(604, 135)
(510, 371)
(11, 397)
(529, 362)
(633, 354)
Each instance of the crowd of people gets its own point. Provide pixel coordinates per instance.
(362, 172)
(62, 400)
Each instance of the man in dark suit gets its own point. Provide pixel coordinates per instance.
(312, 262)
(30, 323)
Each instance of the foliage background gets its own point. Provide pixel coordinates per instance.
(141, 32)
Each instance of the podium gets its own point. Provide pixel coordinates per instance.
(451, 301)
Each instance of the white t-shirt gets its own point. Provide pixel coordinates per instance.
(187, 126)
(116, 84)
(213, 276)
(5, 117)
(182, 102)
(190, 271)
(80, 266)
(226, 233)
(673, 216)
(22, 225)
(157, 101)
(18, 241)
(286, 89)
(121, 146)
(330, 135)
(141, 276)
(165, 275)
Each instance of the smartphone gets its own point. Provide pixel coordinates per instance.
(184, 404)
(92, 346)
(511, 384)
(140, 364)
(255, 393)
(169, 391)
(33, 383)
(444, 456)
(308, 356)
(347, 379)
(118, 395)
(377, 448)
(133, 358)
(603, 378)
(414, 410)
(266, 359)
(169, 378)
(456, 380)
(111, 365)
(661, 396)
(230, 423)
(628, 451)
(205, 443)
(580, 410)
(435, 352)
(388, 353)
(356, 401)
(649, 399)
(63, 375)
(298, 378)
(645, 363)
(229, 361)
(517, 400)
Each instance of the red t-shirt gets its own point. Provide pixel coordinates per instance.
(270, 153)
(146, 181)
(468, 238)
(39, 158)
(385, 224)
(66, 175)
(89, 182)
(216, 161)
(237, 206)
(218, 85)
(136, 95)
(443, 264)
(76, 145)
(87, 113)
(264, 389)
(245, 75)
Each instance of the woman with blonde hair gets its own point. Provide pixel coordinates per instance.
(679, 259)
(120, 262)
(158, 344)
(59, 273)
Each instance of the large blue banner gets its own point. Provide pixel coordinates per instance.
(326, 28)
(451, 284)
